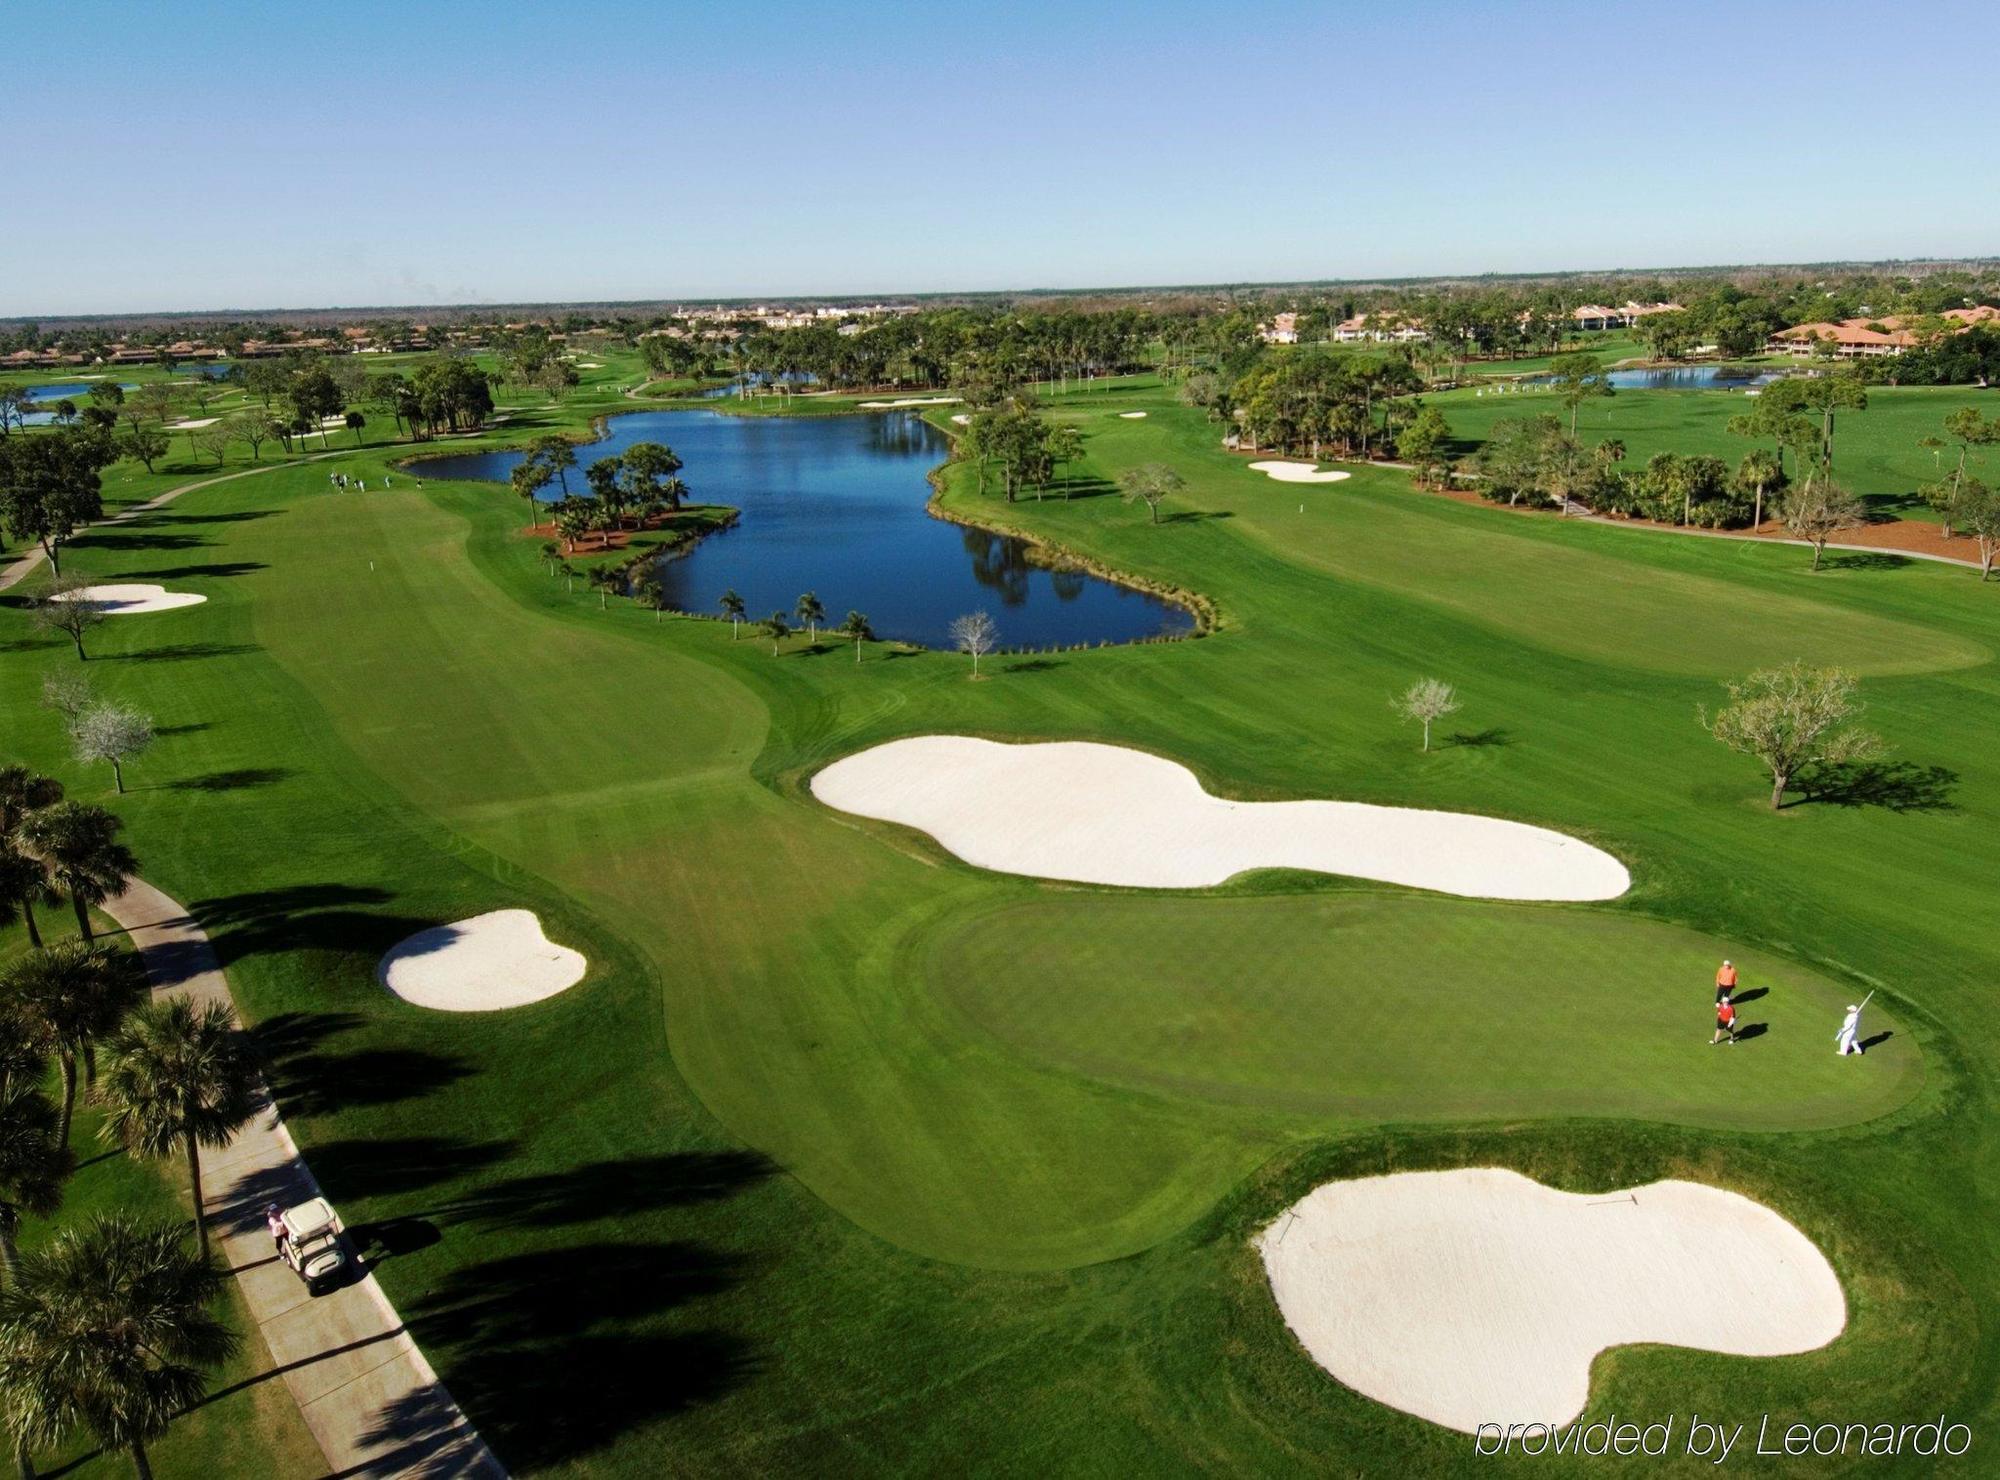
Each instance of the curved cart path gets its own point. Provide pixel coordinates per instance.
(364, 1389)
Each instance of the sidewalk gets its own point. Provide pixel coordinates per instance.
(366, 1393)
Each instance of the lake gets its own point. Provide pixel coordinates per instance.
(73, 390)
(1684, 378)
(835, 505)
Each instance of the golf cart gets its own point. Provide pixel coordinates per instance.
(312, 1244)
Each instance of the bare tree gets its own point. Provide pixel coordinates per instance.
(1150, 484)
(68, 692)
(1791, 718)
(64, 610)
(1426, 701)
(974, 633)
(111, 732)
(1819, 509)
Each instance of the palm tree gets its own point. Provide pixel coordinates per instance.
(24, 883)
(77, 846)
(812, 611)
(777, 628)
(33, 1163)
(855, 625)
(734, 609)
(606, 579)
(23, 791)
(181, 1079)
(649, 590)
(109, 1327)
(75, 994)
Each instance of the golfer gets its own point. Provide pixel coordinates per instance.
(1725, 1023)
(1725, 980)
(1847, 1040)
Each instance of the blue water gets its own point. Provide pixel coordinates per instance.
(835, 505)
(1683, 378)
(75, 390)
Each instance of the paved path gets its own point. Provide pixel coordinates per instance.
(364, 1389)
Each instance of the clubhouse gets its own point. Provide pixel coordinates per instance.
(1380, 328)
(1860, 339)
(1595, 317)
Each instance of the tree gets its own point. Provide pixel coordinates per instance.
(1819, 509)
(1150, 484)
(777, 628)
(33, 1161)
(1818, 396)
(651, 590)
(975, 634)
(77, 844)
(77, 993)
(812, 611)
(65, 609)
(110, 1327)
(355, 422)
(734, 609)
(181, 1078)
(1754, 476)
(557, 456)
(1426, 701)
(24, 883)
(855, 626)
(145, 442)
(1065, 446)
(647, 468)
(68, 691)
(1425, 444)
(112, 732)
(606, 580)
(529, 478)
(214, 439)
(1791, 718)
(50, 486)
(1979, 516)
(1577, 378)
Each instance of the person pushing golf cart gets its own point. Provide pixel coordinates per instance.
(307, 1237)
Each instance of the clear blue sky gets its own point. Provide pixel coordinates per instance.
(206, 155)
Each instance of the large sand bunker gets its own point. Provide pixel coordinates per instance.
(129, 600)
(1296, 472)
(909, 401)
(1103, 814)
(499, 959)
(1480, 1296)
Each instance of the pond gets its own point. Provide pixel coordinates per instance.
(70, 390)
(835, 505)
(1684, 378)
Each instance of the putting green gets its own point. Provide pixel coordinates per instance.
(1347, 1005)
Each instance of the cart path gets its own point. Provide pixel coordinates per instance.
(364, 1389)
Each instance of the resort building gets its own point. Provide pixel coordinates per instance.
(1857, 339)
(1283, 329)
(1593, 317)
(1379, 329)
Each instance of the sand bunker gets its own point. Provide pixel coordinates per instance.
(1103, 814)
(125, 601)
(911, 401)
(499, 959)
(1294, 472)
(959, 418)
(1131, 415)
(1480, 1296)
(192, 426)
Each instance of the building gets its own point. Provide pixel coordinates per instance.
(1593, 318)
(1862, 339)
(1379, 329)
(1283, 329)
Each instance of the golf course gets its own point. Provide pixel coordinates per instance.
(868, 1157)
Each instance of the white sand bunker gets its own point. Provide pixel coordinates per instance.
(910, 401)
(959, 418)
(1103, 814)
(125, 601)
(1131, 415)
(499, 959)
(1480, 1296)
(1296, 472)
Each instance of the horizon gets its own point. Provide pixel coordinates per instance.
(713, 155)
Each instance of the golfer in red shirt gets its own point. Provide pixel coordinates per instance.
(1725, 1023)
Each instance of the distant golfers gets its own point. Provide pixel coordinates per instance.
(1725, 1023)
(1725, 980)
(1848, 1039)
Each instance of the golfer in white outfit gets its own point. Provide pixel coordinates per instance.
(1844, 1042)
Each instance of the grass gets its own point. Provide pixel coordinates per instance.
(1876, 451)
(868, 1159)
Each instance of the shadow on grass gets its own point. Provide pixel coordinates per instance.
(220, 568)
(1882, 1037)
(1032, 665)
(302, 916)
(637, 1184)
(310, 1078)
(180, 652)
(235, 780)
(1752, 1030)
(558, 1352)
(1479, 739)
(1898, 786)
(1865, 560)
(134, 535)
